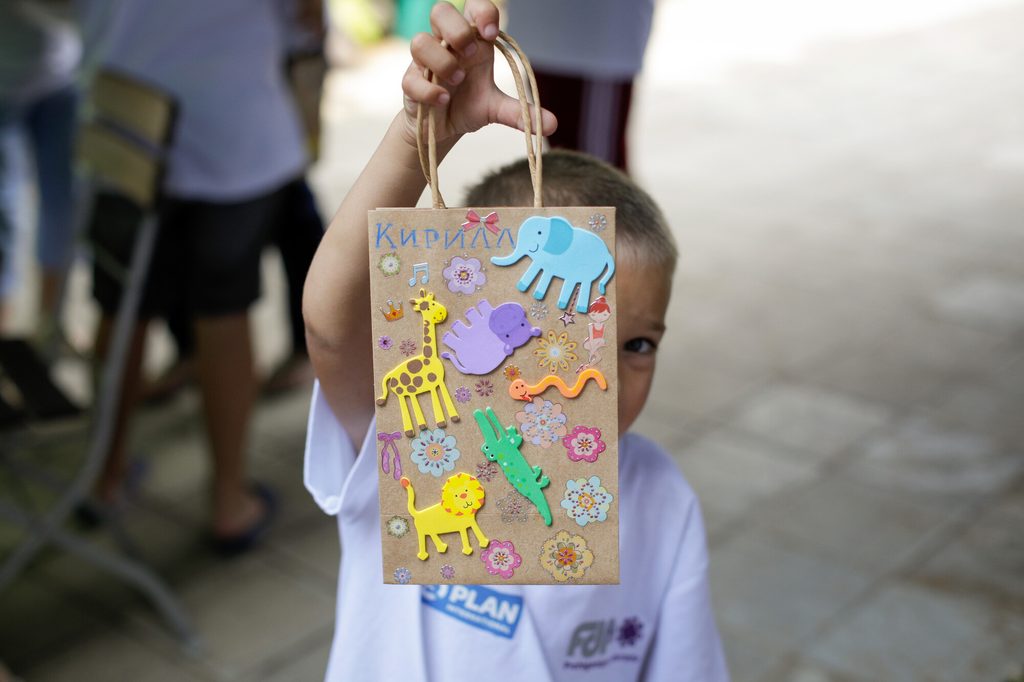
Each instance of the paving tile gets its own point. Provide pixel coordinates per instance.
(283, 476)
(907, 634)
(306, 663)
(173, 552)
(749, 660)
(907, 359)
(110, 656)
(279, 426)
(691, 386)
(37, 621)
(730, 471)
(314, 548)
(247, 613)
(818, 422)
(984, 300)
(989, 408)
(178, 466)
(774, 594)
(987, 560)
(758, 328)
(851, 523)
(805, 671)
(919, 455)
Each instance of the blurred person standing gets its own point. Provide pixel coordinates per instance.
(237, 144)
(39, 55)
(297, 227)
(586, 55)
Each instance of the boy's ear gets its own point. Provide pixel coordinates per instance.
(559, 237)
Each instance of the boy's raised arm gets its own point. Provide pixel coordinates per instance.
(336, 298)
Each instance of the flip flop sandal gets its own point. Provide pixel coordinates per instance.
(241, 543)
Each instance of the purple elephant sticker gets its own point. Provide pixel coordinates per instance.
(488, 336)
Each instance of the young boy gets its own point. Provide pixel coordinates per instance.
(657, 624)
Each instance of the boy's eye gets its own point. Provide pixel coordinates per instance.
(640, 346)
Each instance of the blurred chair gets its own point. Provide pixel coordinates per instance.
(121, 151)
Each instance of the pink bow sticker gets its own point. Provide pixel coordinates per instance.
(473, 220)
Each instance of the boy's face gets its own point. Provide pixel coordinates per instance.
(643, 294)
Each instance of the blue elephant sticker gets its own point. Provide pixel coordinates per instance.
(557, 249)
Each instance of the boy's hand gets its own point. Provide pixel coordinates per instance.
(465, 97)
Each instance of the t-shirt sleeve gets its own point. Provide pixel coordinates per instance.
(329, 456)
(687, 645)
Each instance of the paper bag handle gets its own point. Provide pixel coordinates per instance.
(428, 157)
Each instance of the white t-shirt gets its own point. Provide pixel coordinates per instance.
(656, 625)
(592, 38)
(238, 134)
(39, 51)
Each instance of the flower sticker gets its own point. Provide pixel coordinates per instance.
(402, 576)
(407, 347)
(464, 275)
(397, 527)
(566, 557)
(515, 508)
(434, 452)
(389, 264)
(584, 444)
(385, 342)
(586, 500)
(542, 422)
(512, 372)
(485, 471)
(500, 558)
(462, 394)
(484, 388)
(630, 632)
(555, 351)
(447, 572)
(598, 222)
(538, 311)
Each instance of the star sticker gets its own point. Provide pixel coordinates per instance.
(567, 318)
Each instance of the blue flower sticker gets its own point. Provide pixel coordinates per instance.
(586, 501)
(434, 452)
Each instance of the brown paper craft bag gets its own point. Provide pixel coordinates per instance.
(497, 428)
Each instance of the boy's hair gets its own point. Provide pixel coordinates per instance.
(575, 179)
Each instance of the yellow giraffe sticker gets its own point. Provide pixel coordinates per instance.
(423, 373)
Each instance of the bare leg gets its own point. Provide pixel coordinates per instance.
(51, 282)
(228, 384)
(109, 484)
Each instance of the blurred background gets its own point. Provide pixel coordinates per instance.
(842, 382)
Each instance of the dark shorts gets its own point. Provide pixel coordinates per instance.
(206, 259)
(592, 114)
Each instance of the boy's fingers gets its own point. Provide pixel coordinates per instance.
(446, 22)
(419, 89)
(508, 111)
(428, 52)
(484, 16)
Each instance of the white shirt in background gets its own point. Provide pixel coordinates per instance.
(39, 51)
(238, 135)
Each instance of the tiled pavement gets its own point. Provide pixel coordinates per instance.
(843, 383)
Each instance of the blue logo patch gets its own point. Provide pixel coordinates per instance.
(476, 605)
